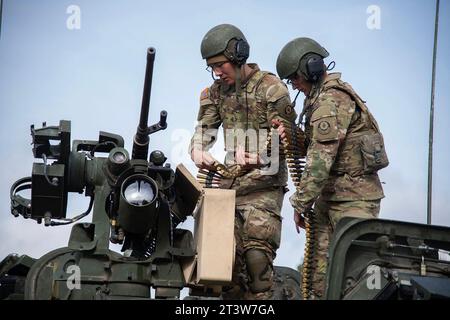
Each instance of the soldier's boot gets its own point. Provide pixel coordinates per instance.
(260, 273)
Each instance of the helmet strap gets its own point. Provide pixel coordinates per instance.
(237, 84)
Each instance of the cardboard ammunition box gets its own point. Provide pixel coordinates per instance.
(214, 240)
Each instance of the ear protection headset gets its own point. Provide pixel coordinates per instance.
(314, 67)
(237, 51)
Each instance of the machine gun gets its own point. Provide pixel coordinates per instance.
(134, 201)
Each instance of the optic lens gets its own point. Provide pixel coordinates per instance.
(119, 157)
(139, 193)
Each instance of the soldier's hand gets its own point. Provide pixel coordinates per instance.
(299, 220)
(246, 159)
(280, 128)
(203, 159)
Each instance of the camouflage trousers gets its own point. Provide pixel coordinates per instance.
(257, 226)
(328, 214)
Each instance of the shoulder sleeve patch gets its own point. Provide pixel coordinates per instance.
(205, 94)
(324, 122)
(205, 97)
(325, 129)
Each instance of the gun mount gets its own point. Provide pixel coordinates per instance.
(131, 198)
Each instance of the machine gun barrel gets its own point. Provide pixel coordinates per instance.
(141, 139)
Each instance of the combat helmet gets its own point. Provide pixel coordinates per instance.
(296, 54)
(225, 42)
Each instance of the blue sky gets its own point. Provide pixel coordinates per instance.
(94, 77)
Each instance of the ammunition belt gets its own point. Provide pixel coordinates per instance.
(209, 178)
(309, 266)
(295, 153)
(221, 175)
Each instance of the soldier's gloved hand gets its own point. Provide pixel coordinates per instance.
(301, 209)
(203, 159)
(280, 128)
(300, 212)
(246, 159)
(299, 220)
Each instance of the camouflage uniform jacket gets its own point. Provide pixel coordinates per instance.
(334, 124)
(263, 97)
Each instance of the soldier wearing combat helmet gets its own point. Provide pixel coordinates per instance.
(244, 99)
(345, 150)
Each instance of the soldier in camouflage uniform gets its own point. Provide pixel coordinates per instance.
(344, 150)
(244, 99)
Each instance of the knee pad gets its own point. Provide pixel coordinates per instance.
(259, 269)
